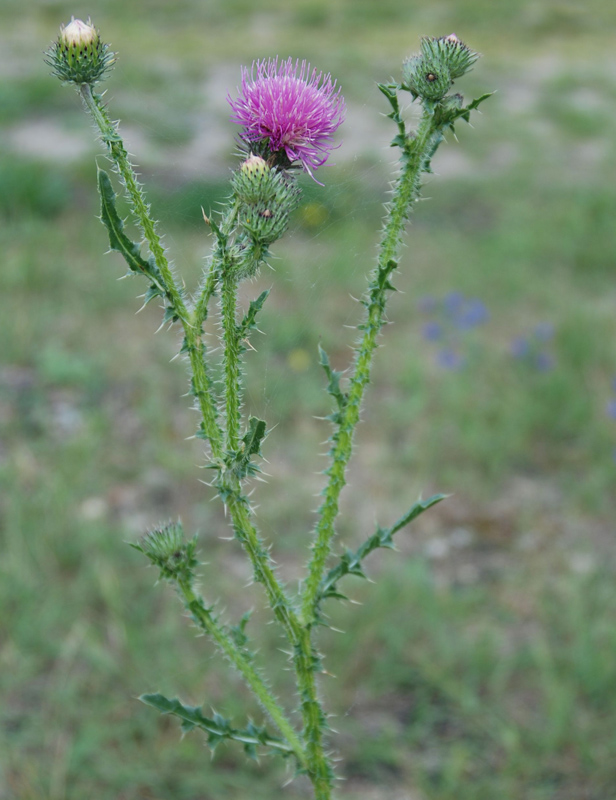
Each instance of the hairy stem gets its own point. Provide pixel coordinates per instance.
(319, 765)
(204, 619)
(231, 356)
(209, 286)
(415, 152)
(111, 138)
(201, 387)
(247, 534)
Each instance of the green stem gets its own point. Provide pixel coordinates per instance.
(111, 138)
(260, 559)
(231, 356)
(319, 765)
(201, 388)
(208, 288)
(415, 153)
(204, 619)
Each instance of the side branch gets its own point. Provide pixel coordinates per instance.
(204, 619)
(118, 154)
(415, 153)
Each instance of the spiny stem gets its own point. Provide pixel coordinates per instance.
(259, 557)
(319, 766)
(204, 619)
(111, 138)
(202, 388)
(231, 356)
(208, 288)
(415, 152)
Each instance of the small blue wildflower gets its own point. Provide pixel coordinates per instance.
(426, 304)
(544, 362)
(471, 314)
(448, 358)
(453, 302)
(432, 331)
(519, 347)
(543, 331)
(611, 409)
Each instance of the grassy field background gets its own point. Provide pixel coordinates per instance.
(482, 662)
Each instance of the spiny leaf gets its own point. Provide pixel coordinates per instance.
(120, 242)
(333, 376)
(350, 563)
(465, 113)
(238, 632)
(248, 323)
(218, 728)
(251, 446)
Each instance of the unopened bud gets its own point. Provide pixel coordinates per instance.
(78, 34)
(254, 166)
(426, 77)
(457, 57)
(167, 549)
(79, 56)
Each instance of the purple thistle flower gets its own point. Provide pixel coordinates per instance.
(290, 106)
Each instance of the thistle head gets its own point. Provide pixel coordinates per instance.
(79, 55)
(167, 549)
(431, 73)
(289, 112)
(267, 195)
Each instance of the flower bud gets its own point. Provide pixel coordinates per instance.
(267, 196)
(166, 549)
(79, 56)
(427, 78)
(449, 50)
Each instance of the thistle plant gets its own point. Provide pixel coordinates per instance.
(289, 114)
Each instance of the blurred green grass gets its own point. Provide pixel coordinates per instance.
(481, 664)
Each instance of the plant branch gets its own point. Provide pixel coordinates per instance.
(416, 152)
(202, 616)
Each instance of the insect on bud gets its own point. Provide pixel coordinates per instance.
(426, 78)
(79, 56)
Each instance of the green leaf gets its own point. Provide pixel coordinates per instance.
(350, 563)
(249, 321)
(218, 728)
(251, 446)
(120, 242)
(333, 377)
(465, 113)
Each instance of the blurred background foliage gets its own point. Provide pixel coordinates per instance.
(481, 664)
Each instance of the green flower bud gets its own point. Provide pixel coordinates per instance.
(450, 51)
(166, 549)
(79, 56)
(426, 77)
(267, 197)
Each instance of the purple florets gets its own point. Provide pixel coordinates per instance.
(291, 107)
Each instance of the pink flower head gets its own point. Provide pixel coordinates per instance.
(291, 107)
